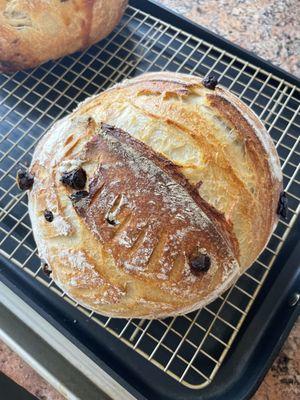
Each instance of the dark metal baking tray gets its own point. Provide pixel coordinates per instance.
(223, 350)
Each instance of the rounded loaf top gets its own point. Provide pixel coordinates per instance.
(35, 31)
(163, 190)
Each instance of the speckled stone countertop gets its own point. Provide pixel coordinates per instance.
(269, 28)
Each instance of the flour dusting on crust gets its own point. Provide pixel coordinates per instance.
(133, 258)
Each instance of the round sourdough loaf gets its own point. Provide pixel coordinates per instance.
(152, 197)
(35, 31)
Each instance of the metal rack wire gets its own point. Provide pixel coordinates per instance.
(190, 348)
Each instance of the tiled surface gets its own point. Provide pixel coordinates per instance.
(269, 29)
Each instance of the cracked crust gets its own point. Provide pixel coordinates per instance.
(35, 31)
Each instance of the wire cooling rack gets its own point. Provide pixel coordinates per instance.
(190, 348)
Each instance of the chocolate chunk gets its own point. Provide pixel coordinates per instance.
(24, 180)
(200, 263)
(282, 205)
(48, 215)
(77, 196)
(76, 178)
(210, 82)
(45, 267)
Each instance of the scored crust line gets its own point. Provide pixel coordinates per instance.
(168, 167)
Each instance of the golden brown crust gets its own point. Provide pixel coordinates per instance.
(141, 197)
(268, 187)
(146, 208)
(183, 163)
(34, 31)
(126, 250)
(231, 152)
(224, 226)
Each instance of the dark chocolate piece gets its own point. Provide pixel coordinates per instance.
(210, 82)
(45, 268)
(282, 205)
(76, 178)
(200, 263)
(48, 215)
(24, 180)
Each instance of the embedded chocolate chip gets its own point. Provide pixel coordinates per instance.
(200, 263)
(77, 196)
(210, 82)
(45, 267)
(48, 215)
(76, 178)
(282, 205)
(24, 180)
